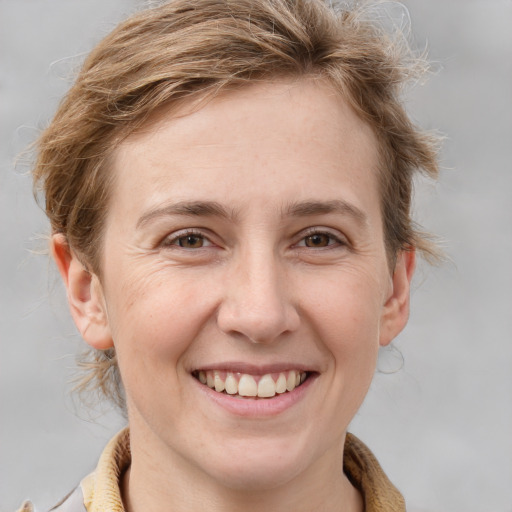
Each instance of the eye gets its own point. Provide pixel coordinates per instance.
(191, 241)
(320, 239)
(188, 240)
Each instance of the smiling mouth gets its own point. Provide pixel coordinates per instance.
(251, 386)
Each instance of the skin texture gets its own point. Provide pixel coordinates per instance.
(282, 162)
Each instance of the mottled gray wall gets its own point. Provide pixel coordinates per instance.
(442, 425)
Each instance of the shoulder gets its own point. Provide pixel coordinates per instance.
(100, 489)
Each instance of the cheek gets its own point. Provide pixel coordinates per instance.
(345, 307)
(157, 317)
(154, 325)
(345, 315)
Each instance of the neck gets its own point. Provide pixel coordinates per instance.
(170, 483)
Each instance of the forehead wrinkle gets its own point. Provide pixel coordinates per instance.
(189, 209)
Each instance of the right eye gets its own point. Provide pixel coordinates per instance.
(188, 240)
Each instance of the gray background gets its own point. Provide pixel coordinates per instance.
(442, 425)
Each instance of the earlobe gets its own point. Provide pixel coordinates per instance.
(85, 295)
(396, 309)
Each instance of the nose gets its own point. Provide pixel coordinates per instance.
(257, 303)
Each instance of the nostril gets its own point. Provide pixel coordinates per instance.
(256, 324)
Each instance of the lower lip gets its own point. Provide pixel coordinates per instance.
(258, 407)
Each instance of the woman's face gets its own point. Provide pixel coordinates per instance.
(244, 246)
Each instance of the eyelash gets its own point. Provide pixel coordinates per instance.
(174, 241)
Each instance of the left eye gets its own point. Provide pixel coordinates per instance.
(190, 241)
(318, 240)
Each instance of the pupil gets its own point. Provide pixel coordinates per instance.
(191, 241)
(317, 240)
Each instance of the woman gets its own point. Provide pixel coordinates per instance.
(229, 189)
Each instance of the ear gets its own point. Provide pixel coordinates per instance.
(396, 309)
(85, 295)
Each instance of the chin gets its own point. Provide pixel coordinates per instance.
(258, 465)
(263, 477)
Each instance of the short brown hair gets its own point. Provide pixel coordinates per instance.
(182, 50)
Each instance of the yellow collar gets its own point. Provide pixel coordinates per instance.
(102, 494)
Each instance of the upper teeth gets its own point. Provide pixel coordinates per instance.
(243, 384)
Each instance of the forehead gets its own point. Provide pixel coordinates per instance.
(278, 141)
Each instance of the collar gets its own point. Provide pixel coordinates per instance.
(365, 473)
(102, 493)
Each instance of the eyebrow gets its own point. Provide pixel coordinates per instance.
(214, 209)
(187, 208)
(311, 208)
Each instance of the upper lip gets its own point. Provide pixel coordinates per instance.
(253, 369)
